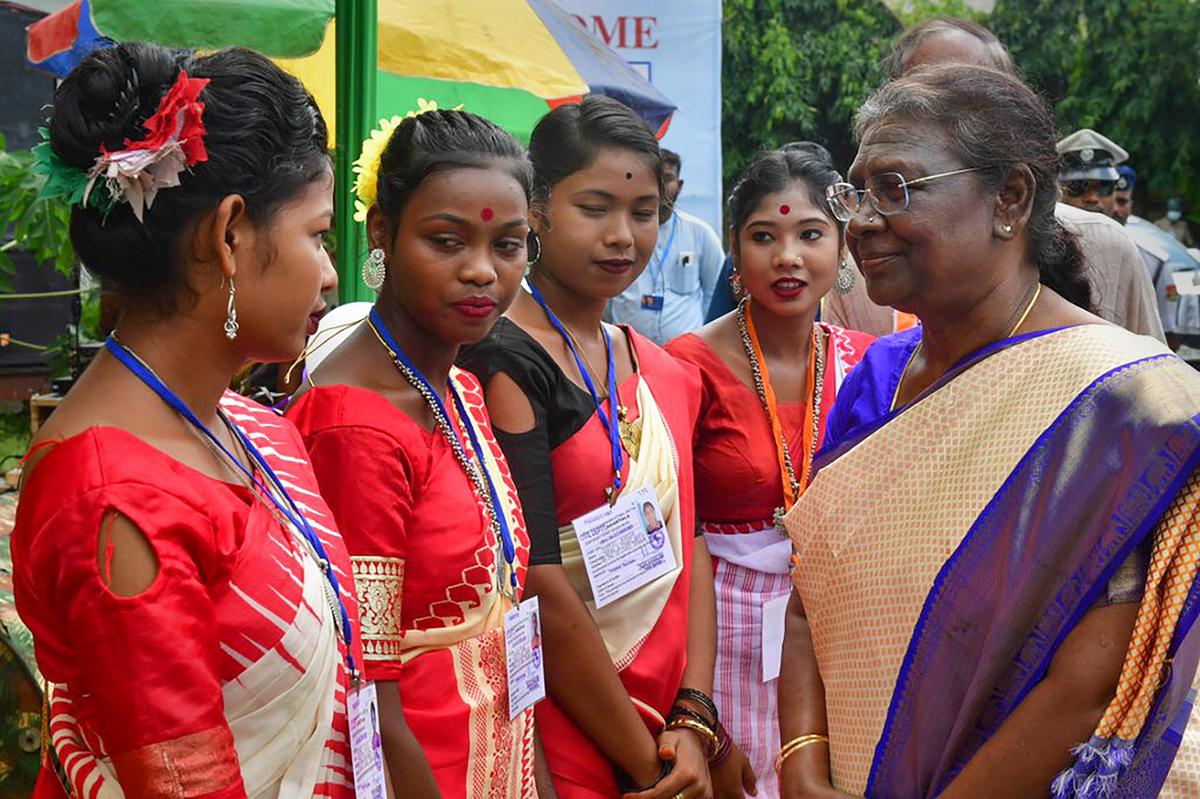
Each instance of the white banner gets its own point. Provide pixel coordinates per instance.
(676, 44)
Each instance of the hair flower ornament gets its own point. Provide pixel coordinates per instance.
(174, 141)
(366, 166)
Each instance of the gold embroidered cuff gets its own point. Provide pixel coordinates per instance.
(380, 584)
(199, 764)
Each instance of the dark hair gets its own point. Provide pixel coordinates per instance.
(437, 141)
(265, 138)
(566, 140)
(993, 121)
(671, 157)
(910, 39)
(775, 170)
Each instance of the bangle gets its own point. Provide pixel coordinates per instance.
(680, 711)
(795, 745)
(723, 750)
(708, 735)
(627, 785)
(700, 698)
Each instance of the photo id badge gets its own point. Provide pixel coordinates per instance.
(652, 302)
(366, 747)
(624, 546)
(523, 652)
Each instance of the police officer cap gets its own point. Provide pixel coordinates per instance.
(1087, 155)
(1126, 178)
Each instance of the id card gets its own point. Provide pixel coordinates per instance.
(523, 652)
(652, 302)
(366, 746)
(624, 546)
(774, 618)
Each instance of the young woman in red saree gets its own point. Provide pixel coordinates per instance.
(190, 599)
(769, 375)
(578, 435)
(431, 520)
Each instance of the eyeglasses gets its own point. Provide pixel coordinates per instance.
(887, 193)
(1078, 188)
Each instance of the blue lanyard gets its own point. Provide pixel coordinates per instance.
(506, 542)
(656, 270)
(287, 507)
(614, 435)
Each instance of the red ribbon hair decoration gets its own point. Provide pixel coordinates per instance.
(174, 141)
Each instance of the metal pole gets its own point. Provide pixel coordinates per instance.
(357, 60)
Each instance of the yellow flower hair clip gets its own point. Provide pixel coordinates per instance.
(366, 166)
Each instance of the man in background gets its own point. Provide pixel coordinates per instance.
(1123, 196)
(1175, 224)
(1157, 258)
(671, 296)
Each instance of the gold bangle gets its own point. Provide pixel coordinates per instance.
(695, 726)
(795, 745)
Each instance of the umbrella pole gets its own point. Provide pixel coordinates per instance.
(357, 58)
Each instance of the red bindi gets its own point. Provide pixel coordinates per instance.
(487, 214)
(785, 209)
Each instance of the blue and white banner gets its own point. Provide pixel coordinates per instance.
(676, 44)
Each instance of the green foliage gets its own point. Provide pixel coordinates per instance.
(38, 226)
(915, 11)
(798, 70)
(1126, 68)
(14, 436)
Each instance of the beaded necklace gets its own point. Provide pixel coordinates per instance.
(792, 485)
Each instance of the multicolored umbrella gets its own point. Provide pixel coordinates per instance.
(508, 60)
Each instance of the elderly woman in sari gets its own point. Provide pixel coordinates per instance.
(1007, 610)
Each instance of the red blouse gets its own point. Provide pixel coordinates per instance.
(737, 471)
(424, 554)
(145, 673)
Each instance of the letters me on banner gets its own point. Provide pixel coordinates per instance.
(676, 45)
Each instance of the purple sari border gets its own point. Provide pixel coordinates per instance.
(1085, 602)
(826, 456)
(1113, 557)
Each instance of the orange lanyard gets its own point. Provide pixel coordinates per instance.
(791, 486)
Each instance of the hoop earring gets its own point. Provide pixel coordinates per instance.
(533, 249)
(843, 282)
(374, 269)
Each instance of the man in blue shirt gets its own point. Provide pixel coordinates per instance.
(672, 295)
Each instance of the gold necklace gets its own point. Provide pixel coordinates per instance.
(601, 382)
(1020, 321)
(630, 432)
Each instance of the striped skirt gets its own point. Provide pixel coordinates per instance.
(748, 706)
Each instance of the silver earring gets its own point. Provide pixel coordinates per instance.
(1007, 228)
(231, 323)
(843, 281)
(533, 249)
(373, 270)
